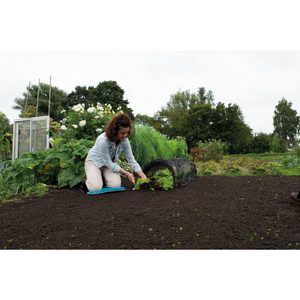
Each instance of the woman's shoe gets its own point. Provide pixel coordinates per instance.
(83, 187)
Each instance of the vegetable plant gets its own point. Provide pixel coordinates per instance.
(162, 180)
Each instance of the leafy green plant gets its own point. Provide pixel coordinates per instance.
(62, 166)
(163, 177)
(290, 161)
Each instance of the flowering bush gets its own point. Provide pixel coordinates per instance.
(84, 123)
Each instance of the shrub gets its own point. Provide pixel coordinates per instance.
(80, 122)
(148, 144)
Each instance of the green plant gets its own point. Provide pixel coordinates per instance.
(79, 122)
(290, 161)
(163, 177)
(62, 166)
(148, 144)
(5, 136)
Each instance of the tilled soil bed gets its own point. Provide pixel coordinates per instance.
(212, 212)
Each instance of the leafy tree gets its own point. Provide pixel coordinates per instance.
(106, 92)
(58, 101)
(205, 97)
(204, 122)
(286, 122)
(195, 124)
(81, 95)
(277, 145)
(168, 118)
(144, 120)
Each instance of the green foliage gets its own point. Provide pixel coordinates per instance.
(5, 136)
(290, 161)
(62, 166)
(57, 104)
(167, 120)
(148, 144)
(90, 122)
(237, 167)
(277, 145)
(286, 122)
(164, 177)
(105, 92)
(140, 182)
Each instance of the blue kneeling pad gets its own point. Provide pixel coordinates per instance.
(106, 190)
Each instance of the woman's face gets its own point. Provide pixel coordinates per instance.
(123, 133)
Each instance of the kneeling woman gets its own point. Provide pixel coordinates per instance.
(100, 165)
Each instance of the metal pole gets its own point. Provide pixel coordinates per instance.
(27, 97)
(37, 102)
(49, 98)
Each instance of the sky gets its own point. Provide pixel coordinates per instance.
(247, 53)
(254, 80)
(246, 56)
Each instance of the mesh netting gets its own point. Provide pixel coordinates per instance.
(181, 169)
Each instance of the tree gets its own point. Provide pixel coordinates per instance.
(168, 118)
(195, 124)
(106, 92)
(286, 122)
(205, 97)
(58, 101)
(203, 122)
(144, 120)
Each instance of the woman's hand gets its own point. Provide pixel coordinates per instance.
(142, 175)
(130, 177)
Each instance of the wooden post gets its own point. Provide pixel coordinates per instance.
(37, 102)
(49, 98)
(27, 97)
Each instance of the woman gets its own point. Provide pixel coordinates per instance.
(100, 165)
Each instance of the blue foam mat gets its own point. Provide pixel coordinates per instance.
(106, 190)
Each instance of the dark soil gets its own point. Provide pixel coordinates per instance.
(212, 212)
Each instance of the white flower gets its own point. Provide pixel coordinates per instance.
(63, 127)
(98, 130)
(82, 123)
(51, 140)
(74, 125)
(63, 111)
(97, 117)
(101, 108)
(100, 115)
(91, 110)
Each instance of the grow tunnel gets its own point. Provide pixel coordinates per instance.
(182, 170)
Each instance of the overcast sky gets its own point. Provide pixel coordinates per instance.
(254, 80)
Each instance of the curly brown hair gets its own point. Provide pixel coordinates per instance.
(117, 121)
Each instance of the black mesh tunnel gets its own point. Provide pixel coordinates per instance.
(181, 169)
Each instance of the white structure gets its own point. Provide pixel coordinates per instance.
(30, 135)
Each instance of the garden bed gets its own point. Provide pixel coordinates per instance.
(214, 212)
